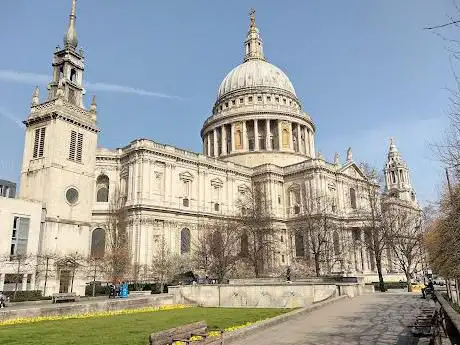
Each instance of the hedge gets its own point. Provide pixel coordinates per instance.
(391, 285)
(21, 296)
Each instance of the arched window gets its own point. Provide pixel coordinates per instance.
(102, 188)
(185, 241)
(217, 243)
(299, 245)
(353, 198)
(244, 245)
(336, 242)
(98, 243)
(73, 76)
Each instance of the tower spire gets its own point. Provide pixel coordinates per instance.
(70, 38)
(254, 48)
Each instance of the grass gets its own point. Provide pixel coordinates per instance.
(130, 329)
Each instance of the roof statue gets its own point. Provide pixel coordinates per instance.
(349, 155)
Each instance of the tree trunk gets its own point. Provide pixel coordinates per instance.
(409, 281)
(378, 262)
(317, 265)
(449, 291)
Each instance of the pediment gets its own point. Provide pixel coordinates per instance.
(352, 170)
(186, 176)
(217, 182)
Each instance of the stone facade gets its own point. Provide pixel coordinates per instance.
(257, 132)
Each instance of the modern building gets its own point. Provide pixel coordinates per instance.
(257, 133)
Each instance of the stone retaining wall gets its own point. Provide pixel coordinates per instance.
(77, 308)
(275, 295)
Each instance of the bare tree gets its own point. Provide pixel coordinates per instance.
(374, 211)
(46, 266)
(217, 247)
(405, 238)
(258, 238)
(118, 256)
(314, 233)
(165, 265)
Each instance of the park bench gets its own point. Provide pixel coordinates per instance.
(425, 324)
(192, 333)
(64, 297)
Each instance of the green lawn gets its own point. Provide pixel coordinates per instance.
(133, 329)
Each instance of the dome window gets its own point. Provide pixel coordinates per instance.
(241, 100)
(284, 100)
(250, 99)
(290, 102)
(269, 99)
(277, 99)
(233, 102)
(226, 104)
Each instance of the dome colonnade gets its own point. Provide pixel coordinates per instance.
(256, 111)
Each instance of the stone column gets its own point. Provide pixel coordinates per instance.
(24, 282)
(280, 135)
(208, 144)
(216, 147)
(268, 143)
(299, 138)
(130, 182)
(256, 135)
(291, 136)
(2, 281)
(223, 137)
(364, 252)
(232, 135)
(245, 137)
(312, 145)
(306, 141)
(134, 179)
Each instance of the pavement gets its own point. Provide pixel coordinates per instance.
(380, 318)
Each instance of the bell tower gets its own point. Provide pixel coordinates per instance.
(397, 178)
(61, 138)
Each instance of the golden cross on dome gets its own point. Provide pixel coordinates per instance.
(252, 15)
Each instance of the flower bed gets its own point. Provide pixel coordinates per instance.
(213, 334)
(92, 315)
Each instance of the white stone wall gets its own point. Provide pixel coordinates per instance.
(9, 208)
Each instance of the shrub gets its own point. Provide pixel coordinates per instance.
(21, 296)
(101, 290)
(391, 285)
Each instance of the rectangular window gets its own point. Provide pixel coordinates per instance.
(76, 146)
(259, 98)
(39, 142)
(20, 236)
(250, 99)
(269, 99)
(241, 101)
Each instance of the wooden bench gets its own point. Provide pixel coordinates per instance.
(64, 297)
(425, 324)
(197, 331)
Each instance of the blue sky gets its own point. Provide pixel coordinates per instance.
(364, 70)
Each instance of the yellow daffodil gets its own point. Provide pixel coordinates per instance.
(91, 315)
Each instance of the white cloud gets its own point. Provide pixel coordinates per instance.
(35, 79)
(6, 114)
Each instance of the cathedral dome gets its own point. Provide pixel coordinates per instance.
(255, 73)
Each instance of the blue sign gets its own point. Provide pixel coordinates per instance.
(124, 290)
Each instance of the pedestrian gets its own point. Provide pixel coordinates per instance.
(2, 300)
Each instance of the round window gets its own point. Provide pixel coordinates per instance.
(72, 196)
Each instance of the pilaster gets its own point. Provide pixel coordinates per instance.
(256, 135)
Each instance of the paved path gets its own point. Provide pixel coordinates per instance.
(368, 319)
